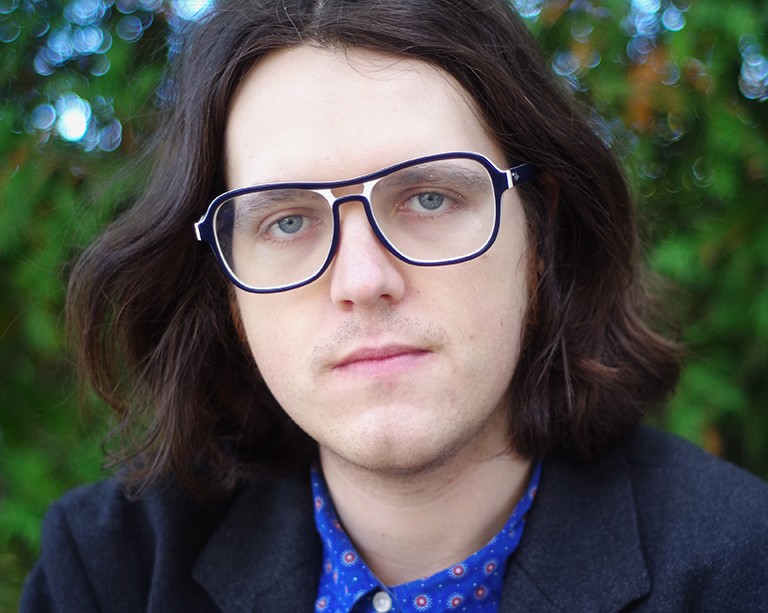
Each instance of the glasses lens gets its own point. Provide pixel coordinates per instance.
(437, 211)
(275, 237)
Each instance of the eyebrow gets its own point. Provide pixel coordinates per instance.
(264, 199)
(443, 172)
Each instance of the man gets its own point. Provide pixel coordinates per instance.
(415, 380)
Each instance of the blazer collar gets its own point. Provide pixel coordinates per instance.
(581, 549)
(265, 555)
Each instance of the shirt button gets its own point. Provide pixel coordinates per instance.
(382, 602)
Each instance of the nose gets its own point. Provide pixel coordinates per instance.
(363, 273)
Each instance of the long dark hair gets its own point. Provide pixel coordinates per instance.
(152, 315)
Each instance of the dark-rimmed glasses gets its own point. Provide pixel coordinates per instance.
(430, 211)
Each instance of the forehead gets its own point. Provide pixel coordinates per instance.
(309, 113)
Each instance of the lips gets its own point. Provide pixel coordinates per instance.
(381, 360)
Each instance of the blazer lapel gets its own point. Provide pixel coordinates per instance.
(265, 555)
(581, 549)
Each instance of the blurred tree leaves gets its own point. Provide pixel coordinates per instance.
(689, 82)
(678, 88)
(80, 82)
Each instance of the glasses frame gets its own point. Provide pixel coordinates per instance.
(502, 180)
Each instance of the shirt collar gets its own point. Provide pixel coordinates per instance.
(476, 581)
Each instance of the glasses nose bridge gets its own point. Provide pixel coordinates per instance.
(364, 198)
(363, 195)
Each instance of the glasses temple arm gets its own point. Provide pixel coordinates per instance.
(520, 174)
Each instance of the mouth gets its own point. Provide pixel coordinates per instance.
(384, 360)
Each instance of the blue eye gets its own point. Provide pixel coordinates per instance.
(431, 201)
(290, 224)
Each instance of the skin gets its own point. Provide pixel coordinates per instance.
(400, 373)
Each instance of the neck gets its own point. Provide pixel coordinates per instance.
(411, 526)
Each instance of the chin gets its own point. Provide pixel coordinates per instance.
(400, 466)
(404, 453)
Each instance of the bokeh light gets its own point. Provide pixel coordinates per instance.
(9, 30)
(43, 117)
(529, 9)
(673, 19)
(8, 6)
(80, 32)
(753, 77)
(74, 116)
(79, 36)
(190, 9)
(130, 28)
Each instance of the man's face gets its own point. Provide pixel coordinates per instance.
(391, 367)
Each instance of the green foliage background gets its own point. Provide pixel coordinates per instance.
(678, 88)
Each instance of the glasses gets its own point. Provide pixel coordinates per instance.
(430, 211)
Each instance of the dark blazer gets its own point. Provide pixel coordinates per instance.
(657, 525)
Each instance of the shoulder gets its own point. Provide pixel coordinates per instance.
(681, 528)
(103, 513)
(670, 474)
(99, 546)
(703, 522)
(168, 551)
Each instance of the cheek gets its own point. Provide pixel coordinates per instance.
(489, 314)
(499, 299)
(272, 334)
(281, 350)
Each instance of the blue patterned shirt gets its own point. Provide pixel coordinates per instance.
(473, 585)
